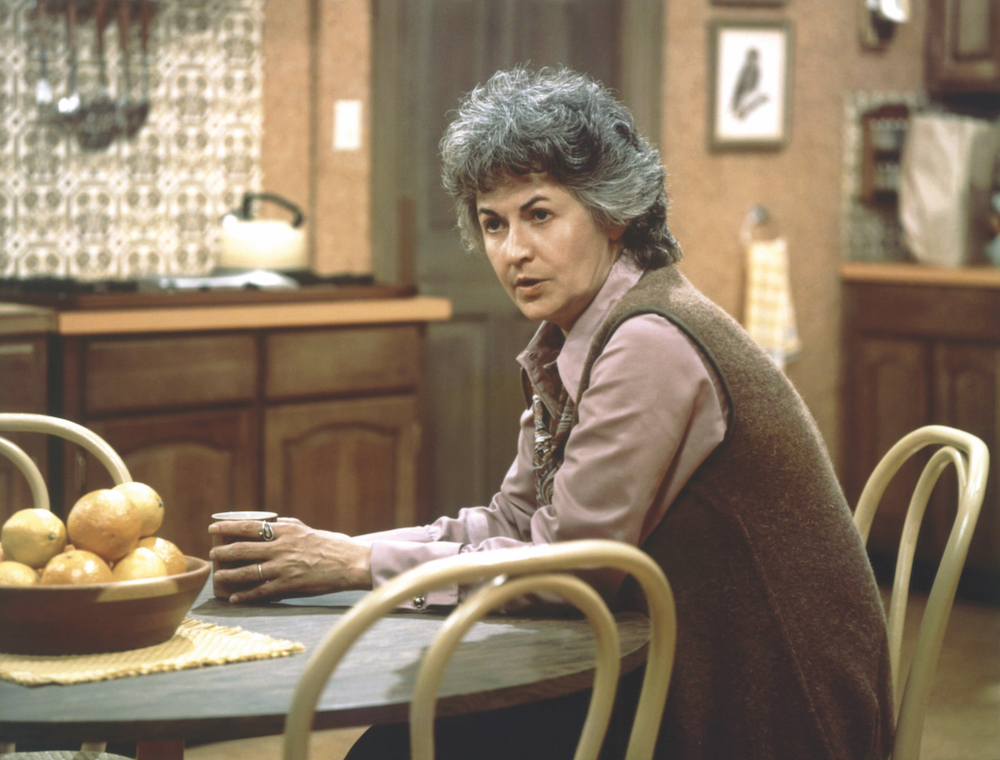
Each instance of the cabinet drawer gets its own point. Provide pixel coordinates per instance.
(923, 311)
(153, 373)
(315, 362)
(23, 368)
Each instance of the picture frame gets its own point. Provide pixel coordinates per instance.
(750, 77)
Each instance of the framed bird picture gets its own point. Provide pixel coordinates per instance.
(750, 75)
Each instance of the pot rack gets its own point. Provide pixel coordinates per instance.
(96, 117)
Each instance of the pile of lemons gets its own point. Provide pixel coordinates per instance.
(107, 536)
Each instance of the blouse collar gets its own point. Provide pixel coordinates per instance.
(550, 356)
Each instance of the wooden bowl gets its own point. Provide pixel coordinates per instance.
(100, 617)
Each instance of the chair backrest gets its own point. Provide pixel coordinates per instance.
(27, 466)
(971, 459)
(510, 573)
(40, 423)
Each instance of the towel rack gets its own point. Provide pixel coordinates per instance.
(757, 216)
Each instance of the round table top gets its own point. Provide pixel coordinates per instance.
(503, 660)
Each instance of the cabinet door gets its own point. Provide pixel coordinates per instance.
(348, 465)
(23, 389)
(889, 389)
(199, 463)
(963, 46)
(966, 391)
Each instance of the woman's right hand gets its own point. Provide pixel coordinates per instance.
(298, 561)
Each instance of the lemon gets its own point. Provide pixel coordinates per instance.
(76, 567)
(139, 563)
(149, 504)
(105, 522)
(17, 574)
(32, 537)
(169, 552)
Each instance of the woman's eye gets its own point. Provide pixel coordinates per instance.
(540, 214)
(491, 225)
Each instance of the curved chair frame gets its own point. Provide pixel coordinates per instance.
(27, 466)
(971, 459)
(523, 566)
(107, 456)
(482, 602)
(71, 431)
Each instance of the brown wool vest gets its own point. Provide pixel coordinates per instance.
(781, 649)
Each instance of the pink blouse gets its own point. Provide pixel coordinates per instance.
(654, 410)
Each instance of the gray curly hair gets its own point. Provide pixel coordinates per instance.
(568, 125)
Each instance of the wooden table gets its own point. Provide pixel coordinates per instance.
(503, 661)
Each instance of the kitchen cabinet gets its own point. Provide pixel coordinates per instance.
(963, 46)
(920, 352)
(178, 409)
(200, 462)
(319, 424)
(312, 410)
(348, 466)
(888, 395)
(23, 389)
(342, 426)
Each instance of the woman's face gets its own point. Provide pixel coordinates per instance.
(546, 249)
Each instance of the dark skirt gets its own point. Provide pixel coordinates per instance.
(545, 730)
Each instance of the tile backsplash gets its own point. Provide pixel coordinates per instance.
(148, 205)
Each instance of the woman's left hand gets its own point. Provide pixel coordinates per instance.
(298, 561)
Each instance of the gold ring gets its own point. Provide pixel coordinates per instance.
(260, 571)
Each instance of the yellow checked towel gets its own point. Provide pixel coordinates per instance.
(770, 315)
(195, 644)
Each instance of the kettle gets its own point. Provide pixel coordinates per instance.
(249, 243)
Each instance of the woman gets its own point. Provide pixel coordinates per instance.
(651, 418)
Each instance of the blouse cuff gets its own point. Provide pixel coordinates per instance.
(389, 558)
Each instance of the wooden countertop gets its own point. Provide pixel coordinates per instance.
(14, 317)
(316, 313)
(920, 274)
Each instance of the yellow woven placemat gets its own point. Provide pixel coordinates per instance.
(195, 644)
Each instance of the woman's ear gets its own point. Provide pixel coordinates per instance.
(615, 232)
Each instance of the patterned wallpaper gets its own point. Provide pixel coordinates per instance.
(150, 204)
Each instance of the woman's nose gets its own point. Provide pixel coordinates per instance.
(518, 245)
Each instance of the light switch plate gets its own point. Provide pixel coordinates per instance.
(347, 125)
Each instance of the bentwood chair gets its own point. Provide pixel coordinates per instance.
(40, 496)
(508, 574)
(971, 459)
